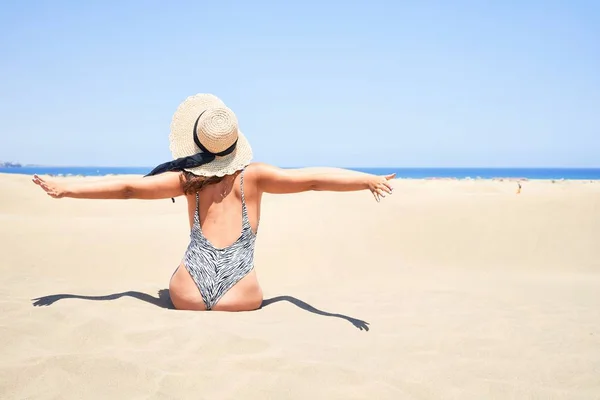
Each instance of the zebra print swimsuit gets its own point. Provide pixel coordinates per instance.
(215, 270)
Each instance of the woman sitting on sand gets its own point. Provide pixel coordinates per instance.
(212, 168)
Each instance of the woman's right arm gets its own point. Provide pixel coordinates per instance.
(272, 179)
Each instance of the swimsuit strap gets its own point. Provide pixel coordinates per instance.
(246, 220)
(197, 212)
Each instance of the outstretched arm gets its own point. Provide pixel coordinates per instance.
(161, 186)
(277, 180)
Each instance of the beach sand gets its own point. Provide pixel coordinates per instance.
(468, 291)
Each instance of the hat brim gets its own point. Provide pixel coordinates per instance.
(181, 139)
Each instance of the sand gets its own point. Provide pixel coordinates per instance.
(444, 290)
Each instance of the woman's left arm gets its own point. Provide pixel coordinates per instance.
(162, 186)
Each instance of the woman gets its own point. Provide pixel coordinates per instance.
(212, 168)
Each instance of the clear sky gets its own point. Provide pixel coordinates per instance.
(337, 83)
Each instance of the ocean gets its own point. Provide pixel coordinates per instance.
(410, 173)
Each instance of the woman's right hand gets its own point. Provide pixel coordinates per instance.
(379, 185)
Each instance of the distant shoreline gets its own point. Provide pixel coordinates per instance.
(430, 173)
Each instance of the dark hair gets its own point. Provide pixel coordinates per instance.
(193, 183)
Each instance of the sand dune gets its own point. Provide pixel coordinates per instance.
(445, 290)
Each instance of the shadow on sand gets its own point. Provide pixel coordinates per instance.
(164, 301)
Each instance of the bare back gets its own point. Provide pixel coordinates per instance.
(220, 208)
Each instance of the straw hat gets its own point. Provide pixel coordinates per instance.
(216, 130)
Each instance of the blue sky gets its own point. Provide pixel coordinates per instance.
(362, 83)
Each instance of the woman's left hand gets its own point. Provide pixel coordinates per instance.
(53, 189)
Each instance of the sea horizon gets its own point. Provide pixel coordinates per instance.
(556, 173)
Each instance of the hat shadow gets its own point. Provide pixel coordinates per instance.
(163, 300)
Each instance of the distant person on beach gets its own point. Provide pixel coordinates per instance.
(518, 187)
(212, 168)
